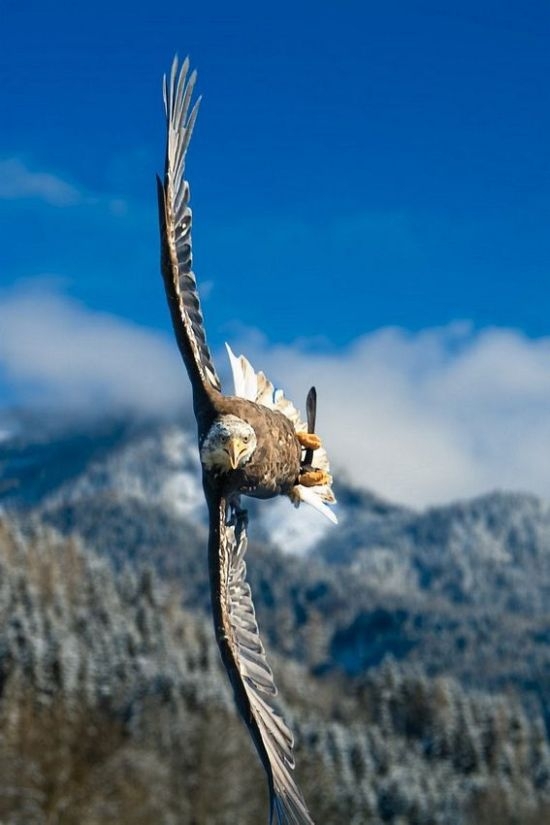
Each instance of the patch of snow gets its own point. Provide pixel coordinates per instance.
(293, 530)
(159, 468)
(183, 493)
(386, 570)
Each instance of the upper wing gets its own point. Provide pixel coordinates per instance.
(244, 658)
(175, 229)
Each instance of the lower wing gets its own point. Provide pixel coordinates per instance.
(244, 658)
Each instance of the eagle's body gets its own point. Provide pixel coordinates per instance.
(253, 443)
(275, 466)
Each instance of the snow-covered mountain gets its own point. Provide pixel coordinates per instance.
(114, 709)
(461, 589)
(155, 464)
(383, 629)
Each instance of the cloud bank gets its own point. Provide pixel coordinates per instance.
(418, 417)
(431, 416)
(55, 352)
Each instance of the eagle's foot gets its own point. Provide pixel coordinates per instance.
(313, 478)
(310, 441)
(238, 516)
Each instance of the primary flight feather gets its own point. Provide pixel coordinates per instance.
(254, 443)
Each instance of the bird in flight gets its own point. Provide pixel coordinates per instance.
(253, 443)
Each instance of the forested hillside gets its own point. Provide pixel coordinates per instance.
(410, 649)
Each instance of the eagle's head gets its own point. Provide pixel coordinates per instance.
(229, 443)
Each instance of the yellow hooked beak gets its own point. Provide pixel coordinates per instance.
(235, 448)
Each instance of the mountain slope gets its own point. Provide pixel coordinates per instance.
(113, 708)
(460, 590)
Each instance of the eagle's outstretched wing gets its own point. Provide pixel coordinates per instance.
(244, 658)
(175, 227)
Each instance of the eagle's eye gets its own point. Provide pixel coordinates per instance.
(246, 438)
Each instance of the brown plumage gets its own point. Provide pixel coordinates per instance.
(274, 467)
(249, 444)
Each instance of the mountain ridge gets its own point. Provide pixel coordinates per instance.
(411, 647)
(424, 586)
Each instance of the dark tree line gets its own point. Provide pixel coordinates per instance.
(114, 709)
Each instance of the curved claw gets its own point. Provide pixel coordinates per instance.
(314, 478)
(310, 441)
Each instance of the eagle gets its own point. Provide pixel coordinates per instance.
(252, 443)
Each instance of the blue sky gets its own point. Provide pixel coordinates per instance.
(356, 167)
(382, 163)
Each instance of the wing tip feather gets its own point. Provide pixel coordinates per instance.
(175, 225)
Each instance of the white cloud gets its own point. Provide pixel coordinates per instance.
(55, 351)
(17, 181)
(431, 416)
(418, 417)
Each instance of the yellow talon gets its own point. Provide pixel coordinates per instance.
(310, 441)
(313, 478)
